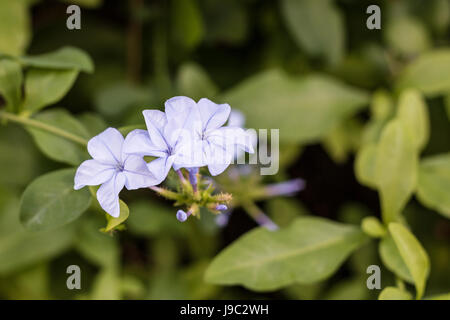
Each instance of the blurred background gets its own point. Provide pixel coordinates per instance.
(253, 55)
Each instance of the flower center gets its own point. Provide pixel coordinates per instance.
(120, 167)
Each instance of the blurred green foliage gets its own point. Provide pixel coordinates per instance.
(343, 96)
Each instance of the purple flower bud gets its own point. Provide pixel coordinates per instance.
(181, 216)
(222, 219)
(285, 188)
(193, 176)
(221, 207)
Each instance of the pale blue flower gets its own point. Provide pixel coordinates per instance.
(219, 143)
(113, 169)
(169, 137)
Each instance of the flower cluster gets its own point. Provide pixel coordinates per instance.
(187, 135)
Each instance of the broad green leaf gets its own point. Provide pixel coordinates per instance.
(19, 158)
(97, 247)
(285, 210)
(413, 111)
(365, 163)
(390, 256)
(14, 27)
(50, 201)
(430, 73)
(20, 248)
(116, 99)
(407, 35)
(93, 123)
(187, 23)
(393, 293)
(115, 223)
(309, 250)
(11, 83)
(194, 82)
(317, 27)
(65, 58)
(413, 254)
(395, 169)
(56, 147)
(373, 227)
(304, 109)
(433, 188)
(352, 289)
(382, 106)
(44, 87)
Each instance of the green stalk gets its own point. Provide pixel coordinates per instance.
(42, 126)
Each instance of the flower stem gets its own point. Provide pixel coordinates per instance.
(180, 175)
(165, 193)
(259, 216)
(42, 126)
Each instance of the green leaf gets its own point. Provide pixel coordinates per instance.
(382, 106)
(393, 293)
(19, 159)
(20, 248)
(194, 82)
(395, 169)
(373, 227)
(115, 223)
(116, 99)
(413, 254)
(44, 87)
(317, 27)
(50, 201)
(433, 188)
(11, 83)
(430, 73)
(390, 256)
(93, 123)
(413, 111)
(407, 35)
(365, 164)
(309, 250)
(14, 27)
(56, 147)
(283, 211)
(187, 23)
(304, 109)
(61, 59)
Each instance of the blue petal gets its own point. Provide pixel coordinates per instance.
(230, 137)
(108, 194)
(160, 167)
(137, 173)
(107, 146)
(236, 119)
(183, 120)
(92, 173)
(155, 121)
(189, 153)
(213, 115)
(138, 142)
